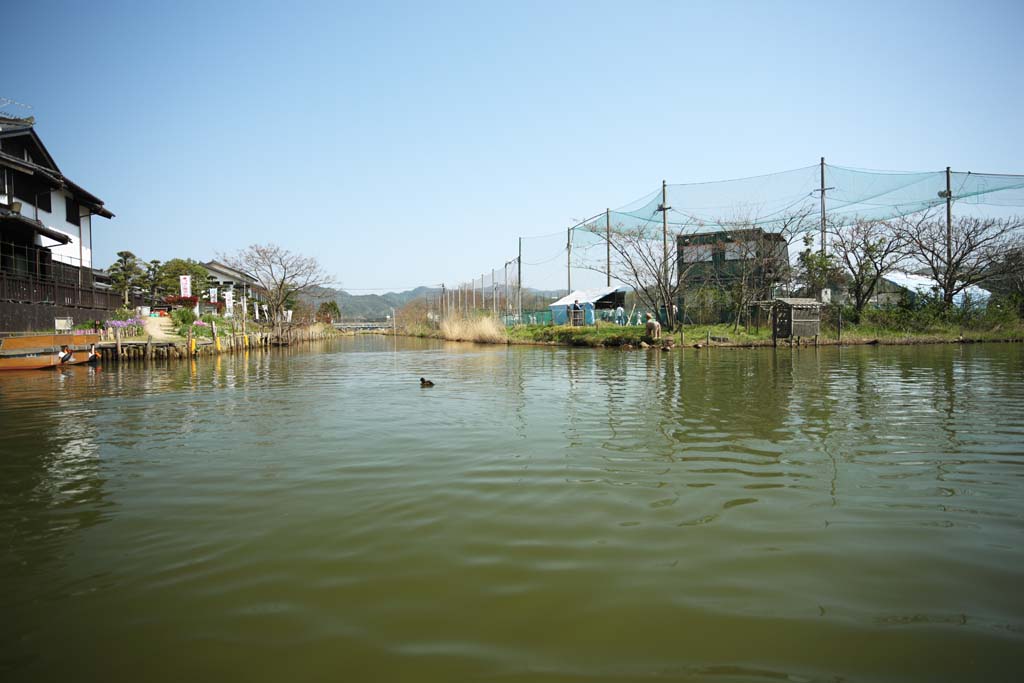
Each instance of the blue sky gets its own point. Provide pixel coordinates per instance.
(412, 143)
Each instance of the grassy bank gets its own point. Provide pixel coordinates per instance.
(616, 335)
(489, 330)
(724, 335)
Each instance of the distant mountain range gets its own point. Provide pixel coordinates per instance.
(378, 306)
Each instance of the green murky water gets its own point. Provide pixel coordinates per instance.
(539, 515)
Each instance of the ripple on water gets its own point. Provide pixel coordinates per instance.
(540, 514)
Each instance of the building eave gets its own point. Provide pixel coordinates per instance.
(58, 181)
(217, 265)
(8, 216)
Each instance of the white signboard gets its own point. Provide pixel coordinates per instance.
(256, 309)
(229, 303)
(186, 285)
(213, 295)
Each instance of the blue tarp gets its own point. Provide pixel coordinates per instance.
(560, 314)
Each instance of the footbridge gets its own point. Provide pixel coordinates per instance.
(363, 326)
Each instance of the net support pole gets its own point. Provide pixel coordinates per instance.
(949, 220)
(664, 232)
(519, 282)
(823, 206)
(608, 241)
(669, 316)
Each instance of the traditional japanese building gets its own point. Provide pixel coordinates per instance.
(46, 237)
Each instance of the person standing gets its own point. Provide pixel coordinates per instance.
(620, 315)
(577, 313)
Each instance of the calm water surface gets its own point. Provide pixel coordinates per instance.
(540, 515)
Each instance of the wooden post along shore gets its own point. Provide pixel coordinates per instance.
(119, 349)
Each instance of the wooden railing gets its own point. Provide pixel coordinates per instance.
(28, 290)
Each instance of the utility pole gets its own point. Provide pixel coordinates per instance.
(949, 221)
(568, 261)
(823, 206)
(608, 240)
(664, 207)
(664, 228)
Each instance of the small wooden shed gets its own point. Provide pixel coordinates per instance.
(795, 318)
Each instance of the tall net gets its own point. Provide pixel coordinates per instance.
(579, 257)
(768, 201)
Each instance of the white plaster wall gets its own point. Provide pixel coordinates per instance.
(55, 220)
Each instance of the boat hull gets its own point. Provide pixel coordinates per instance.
(38, 352)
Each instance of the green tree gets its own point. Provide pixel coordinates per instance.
(816, 270)
(125, 273)
(167, 281)
(328, 312)
(148, 280)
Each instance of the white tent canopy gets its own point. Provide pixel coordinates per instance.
(585, 296)
(588, 299)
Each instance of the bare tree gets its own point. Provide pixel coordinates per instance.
(1009, 282)
(638, 261)
(756, 260)
(973, 255)
(281, 274)
(866, 250)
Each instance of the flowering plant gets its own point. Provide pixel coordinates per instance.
(130, 322)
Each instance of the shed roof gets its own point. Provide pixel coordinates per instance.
(792, 301)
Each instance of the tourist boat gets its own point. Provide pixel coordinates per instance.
(40, 351)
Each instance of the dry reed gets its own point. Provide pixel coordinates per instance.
(483, 329)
